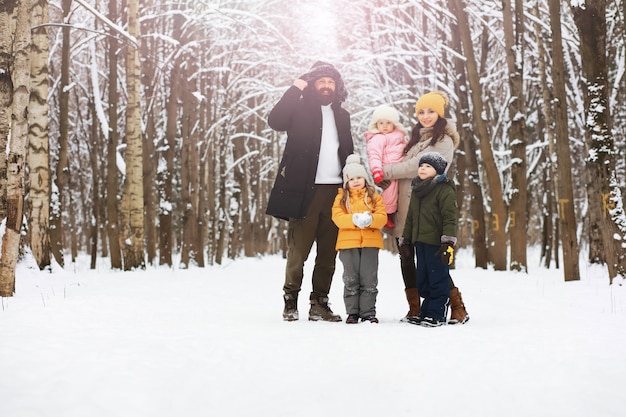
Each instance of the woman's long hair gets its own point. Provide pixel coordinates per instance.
(439, 131)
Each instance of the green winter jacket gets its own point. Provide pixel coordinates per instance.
(432, 218)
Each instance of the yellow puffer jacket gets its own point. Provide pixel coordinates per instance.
(351, 236)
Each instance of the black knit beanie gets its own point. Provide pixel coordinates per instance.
(435, 160)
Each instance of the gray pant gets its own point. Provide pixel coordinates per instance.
(360, 278)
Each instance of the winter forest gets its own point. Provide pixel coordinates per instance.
(137, 131)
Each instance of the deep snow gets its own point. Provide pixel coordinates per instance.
(211, 342)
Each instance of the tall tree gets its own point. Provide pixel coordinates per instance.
(606, 210)
(62, 169)
(38, 144)
(565, 193)
(165, 175)
(16, 162)
(94, 143)
(132, 194)
(112, 182)
(468, 159)
(513, 38)
(497, 227)
(7, 26)
(190, 181)
(549, 240)
(150, 47)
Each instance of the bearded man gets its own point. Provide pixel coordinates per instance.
(318, 142)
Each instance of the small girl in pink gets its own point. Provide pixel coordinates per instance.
(385, 143)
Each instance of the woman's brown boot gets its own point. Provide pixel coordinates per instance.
(413, 297)
(459, 314)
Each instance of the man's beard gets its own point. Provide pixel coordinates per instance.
(326, 98)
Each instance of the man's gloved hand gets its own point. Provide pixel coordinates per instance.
(362, 220)
(446, 251)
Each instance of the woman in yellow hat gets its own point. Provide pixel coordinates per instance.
(432, 133)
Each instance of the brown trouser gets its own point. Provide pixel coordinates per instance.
(316, 227)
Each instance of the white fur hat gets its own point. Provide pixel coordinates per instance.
(353, 169)
(385, 112)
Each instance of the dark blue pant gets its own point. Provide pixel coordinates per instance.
(433, 282)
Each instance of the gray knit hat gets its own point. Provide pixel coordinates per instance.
(353, 169)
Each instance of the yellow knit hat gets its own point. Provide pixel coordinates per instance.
(436, 100)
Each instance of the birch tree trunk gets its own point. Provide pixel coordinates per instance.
(518, 217)
(132, 196)
(606, 209)
(17, 148)
(497, 229)
(7, 26)
(565, 193)
(38, 144)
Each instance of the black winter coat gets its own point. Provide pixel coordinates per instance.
(301, 118)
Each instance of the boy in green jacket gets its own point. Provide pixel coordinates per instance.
(431, 227)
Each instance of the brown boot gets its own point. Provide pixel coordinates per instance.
(459, 314)
(413, 297)
(290, 313)
(321, 311)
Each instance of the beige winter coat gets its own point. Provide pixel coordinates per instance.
(406, 170)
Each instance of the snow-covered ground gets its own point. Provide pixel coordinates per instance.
(211, 342)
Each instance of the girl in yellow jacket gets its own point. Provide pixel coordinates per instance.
(359, 213)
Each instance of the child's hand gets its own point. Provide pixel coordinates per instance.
(377, 174)
(362, 220)
(367, 219)
(446, 251)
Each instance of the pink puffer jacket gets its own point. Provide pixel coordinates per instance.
(383, 149)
